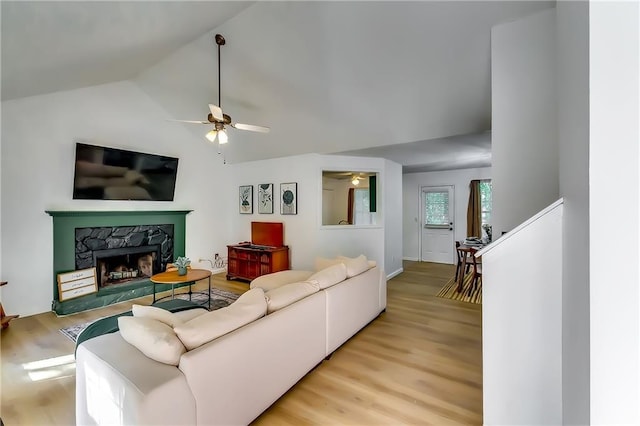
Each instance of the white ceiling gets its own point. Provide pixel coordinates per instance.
(49, 46)
(401, 80)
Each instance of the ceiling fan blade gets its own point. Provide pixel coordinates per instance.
(191, 121)
(250, 127)
(216, 112)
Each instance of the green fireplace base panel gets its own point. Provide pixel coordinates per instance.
(110, 296)
(64, 226)
(102, 299)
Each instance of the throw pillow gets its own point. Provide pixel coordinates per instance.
(153, 338)
(280, 278)
(158, 314)
(283, 296)
(330, 276)
(211, 325)
(355, 266)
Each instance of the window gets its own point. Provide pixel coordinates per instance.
(361, 214)
(485, 203)
(436, 209)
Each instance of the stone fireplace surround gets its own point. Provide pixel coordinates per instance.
(77, 234)
(111, 246)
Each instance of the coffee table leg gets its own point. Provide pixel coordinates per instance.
(209, 292)
(154, 292)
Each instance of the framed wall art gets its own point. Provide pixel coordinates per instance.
(246, 199)
(289, 198)
(265, 198)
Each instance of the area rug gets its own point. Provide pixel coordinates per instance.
(449, 291)
(219, 299)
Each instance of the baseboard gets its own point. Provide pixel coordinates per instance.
(413, 259)
(394, 273)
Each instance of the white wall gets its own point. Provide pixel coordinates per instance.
(614, 185)
(411, 201)
(38, 148)
(572, 20)
(391, 183)
(522, 324)
(304, 233)
(524, 140)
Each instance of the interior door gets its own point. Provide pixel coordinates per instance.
(436, 234)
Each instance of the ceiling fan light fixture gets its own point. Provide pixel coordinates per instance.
(211, 136)
(222, 137)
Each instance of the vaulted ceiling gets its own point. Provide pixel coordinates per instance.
(372, 78)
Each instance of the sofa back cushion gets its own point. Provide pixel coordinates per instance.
(356, 265)
(211, 325)
(153, 338)
(158, 314)
(330, 276)
(277, 279)
(287, 294)
(321, 263)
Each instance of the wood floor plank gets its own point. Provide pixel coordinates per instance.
(420, 362)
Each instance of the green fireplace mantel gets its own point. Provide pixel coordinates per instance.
(65, 223)
(114, 213)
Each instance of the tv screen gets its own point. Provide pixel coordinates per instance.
(115, 174)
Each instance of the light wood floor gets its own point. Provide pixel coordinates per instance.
(420, 362)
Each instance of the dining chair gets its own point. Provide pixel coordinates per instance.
(477, 270)
(461, 255)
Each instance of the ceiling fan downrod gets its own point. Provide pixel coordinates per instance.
(220, 41)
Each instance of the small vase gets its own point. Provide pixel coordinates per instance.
(182, 270)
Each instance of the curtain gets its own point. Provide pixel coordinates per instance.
(350, 203)
(473, 210)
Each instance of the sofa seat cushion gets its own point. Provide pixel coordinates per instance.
(274, 280)
(211, 325)
(153, 338)
(287, 294)
(330, 276)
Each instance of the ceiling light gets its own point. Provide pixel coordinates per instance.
(355, 180)
(222, 137)
(211, 136)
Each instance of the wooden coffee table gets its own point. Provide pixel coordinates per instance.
(172, 278)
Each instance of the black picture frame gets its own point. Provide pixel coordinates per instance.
(265, 198)
(245, 199)
(289, 198)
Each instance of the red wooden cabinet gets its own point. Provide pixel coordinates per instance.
(246, 261)
(264, 255)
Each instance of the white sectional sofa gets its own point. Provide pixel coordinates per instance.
(231, 379)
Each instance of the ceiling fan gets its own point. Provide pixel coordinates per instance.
(217, 118)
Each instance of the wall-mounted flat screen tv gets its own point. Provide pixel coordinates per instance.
(103, 173)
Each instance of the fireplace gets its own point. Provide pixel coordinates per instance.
(124, 254)
(125, 244)
(126, 265)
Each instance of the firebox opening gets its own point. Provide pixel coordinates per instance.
(126, 265)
